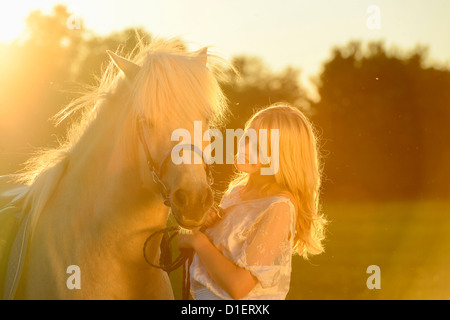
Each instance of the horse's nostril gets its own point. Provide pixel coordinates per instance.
(180, 198)
(198, 199)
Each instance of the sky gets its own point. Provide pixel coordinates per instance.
(281, 32)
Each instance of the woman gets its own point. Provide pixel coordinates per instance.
(246, 253)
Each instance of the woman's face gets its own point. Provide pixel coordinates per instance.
(247, 158)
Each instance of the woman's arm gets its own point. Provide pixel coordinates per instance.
(236, 281)
(268, 241)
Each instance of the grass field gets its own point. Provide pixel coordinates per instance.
(409, 241)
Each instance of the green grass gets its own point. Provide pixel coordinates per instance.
(409, 241)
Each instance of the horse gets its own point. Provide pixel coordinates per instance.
(89, 204)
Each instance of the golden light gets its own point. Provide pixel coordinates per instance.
(12, 20)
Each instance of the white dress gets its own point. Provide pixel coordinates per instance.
(256, 235)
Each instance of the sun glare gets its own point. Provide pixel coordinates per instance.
(12, 19)
(14, 13)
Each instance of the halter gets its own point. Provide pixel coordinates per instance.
(156, 170)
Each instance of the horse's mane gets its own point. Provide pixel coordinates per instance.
(165, 68)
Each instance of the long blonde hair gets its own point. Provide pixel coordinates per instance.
(299, 172)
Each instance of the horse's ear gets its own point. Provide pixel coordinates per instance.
(129, 68)
(202, 54)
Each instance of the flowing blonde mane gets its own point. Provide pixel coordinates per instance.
(166, 68)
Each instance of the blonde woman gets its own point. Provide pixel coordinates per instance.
(246, 252)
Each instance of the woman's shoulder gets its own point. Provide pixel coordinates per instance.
(230, 195)
(233, 189)
(285, 194)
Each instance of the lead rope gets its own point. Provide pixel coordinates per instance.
(187, 276)
(185, 258)
(165, 262)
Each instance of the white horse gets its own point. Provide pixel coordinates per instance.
(92, 202)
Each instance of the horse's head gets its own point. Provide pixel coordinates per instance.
(174, 93)
(180, 171)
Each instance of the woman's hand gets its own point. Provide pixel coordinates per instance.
(192, 240)
(196, 238)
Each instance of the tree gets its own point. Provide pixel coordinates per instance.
(38, 67)
(375, 107)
